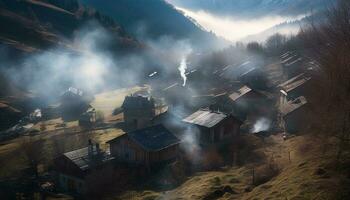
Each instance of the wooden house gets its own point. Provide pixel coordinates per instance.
(292, 64)
(138, 111)
(88, 119)
(293, 88)
(214, 127)
(294, 115)
(74, 168)
(151, 147)
(73, 103)
(246, 101)
(9, 116)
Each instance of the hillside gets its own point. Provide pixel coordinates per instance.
(31, 25)
(311, 173)
(287, 28)
(153, 19)
(253, 8)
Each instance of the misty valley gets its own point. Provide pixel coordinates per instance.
(174, 99)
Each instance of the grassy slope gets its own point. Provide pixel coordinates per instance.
(309, 175)
(70, 137)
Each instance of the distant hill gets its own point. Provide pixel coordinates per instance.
(153, 19)
(254, 8)
(286, 28)
(30, 25)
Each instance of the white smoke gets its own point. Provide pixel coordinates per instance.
(263, 124)
(182, 69)
(190, 143)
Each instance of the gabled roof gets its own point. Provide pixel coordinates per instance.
(241, 92)
(294, 82)
(73, 91)
(84, 161)
(205, 118)
(153, 138)
(292, 106)
(137, 102)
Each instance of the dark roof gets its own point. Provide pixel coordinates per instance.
(137, 102)
(205, 118)
(294, 82)
(292, 106)
(84, 161)
(153, 138)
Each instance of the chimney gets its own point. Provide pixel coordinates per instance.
(211, 108)
(98, 150)
(90, 149)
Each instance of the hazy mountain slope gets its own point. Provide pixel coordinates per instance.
(31, 24)
(153, 19)
(253, 8)
(286, 28)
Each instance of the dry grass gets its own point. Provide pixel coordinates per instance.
(108, 101)
(70, 136)
(305, 176)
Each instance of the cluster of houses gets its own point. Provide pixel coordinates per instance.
(148, 143)
(293, 105)
(154, 140)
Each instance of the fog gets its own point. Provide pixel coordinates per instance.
(234, 28)
(92, 67)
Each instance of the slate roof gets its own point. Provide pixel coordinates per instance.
(137, 102)
(205, 118)
(241, 92)
(81, 158)
(294, 82)
(292, 106)
(153, 138)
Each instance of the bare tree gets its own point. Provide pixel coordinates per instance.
(275, 43)
(329, 45)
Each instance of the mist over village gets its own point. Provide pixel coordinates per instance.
(175, 99)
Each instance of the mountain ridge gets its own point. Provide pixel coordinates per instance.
(154, 19)
(245, 8)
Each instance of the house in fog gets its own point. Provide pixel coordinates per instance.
(88, 118)
(214, 127)
(74, 170)
(292, 64)
(294, 88)
(73, 103)
(151, 147)
(246, 101)
(294, 115)
(9, 116)
(138, 111)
